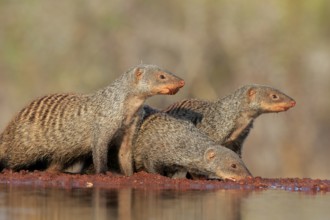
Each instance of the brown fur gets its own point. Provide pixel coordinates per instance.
(173, 147)
(56, 130)
(228, 120)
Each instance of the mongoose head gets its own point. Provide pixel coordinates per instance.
(264, 99)
(225, 164)
(153, 80)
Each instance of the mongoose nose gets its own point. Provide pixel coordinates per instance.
(181, 83)
(293, 103)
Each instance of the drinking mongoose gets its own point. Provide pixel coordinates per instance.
(64, 128)
(173, 147)
(228, 120)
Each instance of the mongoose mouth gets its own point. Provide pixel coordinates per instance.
(176, 88)
(219, 178)
(234, 177)
(173, 91)
(231, 178)
(169, 91)
(284, 106)
(172, 88)
(278, 107)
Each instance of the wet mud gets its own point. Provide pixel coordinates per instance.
(143, 180)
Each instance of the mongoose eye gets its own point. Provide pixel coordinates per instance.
(275, 97)
(162, 76)
(233, 166)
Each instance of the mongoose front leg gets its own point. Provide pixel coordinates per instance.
(125, 150)
(242, 123)
(100, 149)
(125, 156)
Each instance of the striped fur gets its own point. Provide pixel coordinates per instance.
(173, 147)
(228, 120)
(57, 130)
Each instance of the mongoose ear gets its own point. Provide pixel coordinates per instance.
(251, 92)
(210, 154)
(138, 72)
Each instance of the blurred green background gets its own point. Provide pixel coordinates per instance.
(216, 46)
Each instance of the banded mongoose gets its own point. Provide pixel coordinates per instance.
(173, 147)
(64, 128)
(228, 120)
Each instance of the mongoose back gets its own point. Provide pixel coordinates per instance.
(173, 147)
(63, 128)
(228, 120)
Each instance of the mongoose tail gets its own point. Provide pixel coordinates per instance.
(173, 147)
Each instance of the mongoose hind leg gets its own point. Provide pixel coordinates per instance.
(54, 167)
(180, 174)
(75, 168)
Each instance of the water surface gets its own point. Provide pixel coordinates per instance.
(52, 203)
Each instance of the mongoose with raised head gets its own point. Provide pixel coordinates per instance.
(173, 147)
(228, 120)
(64, 128)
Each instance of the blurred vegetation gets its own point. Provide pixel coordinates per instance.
(216, 46)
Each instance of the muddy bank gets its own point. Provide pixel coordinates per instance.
(144, 180)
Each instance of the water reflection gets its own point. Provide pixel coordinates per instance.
(126, 204)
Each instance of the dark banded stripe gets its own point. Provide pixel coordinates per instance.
(176, 107)
(79, 110)
(33, 109)
(61, 103)
(54, 104)
(73, 114)
(30, 114)
(44, 111)
(44, 116)
(44, 108)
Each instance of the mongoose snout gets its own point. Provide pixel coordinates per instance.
(226, 163)
(291, 104)
(170, 88)
(241, 175)
(268, 99)
(286, 106)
